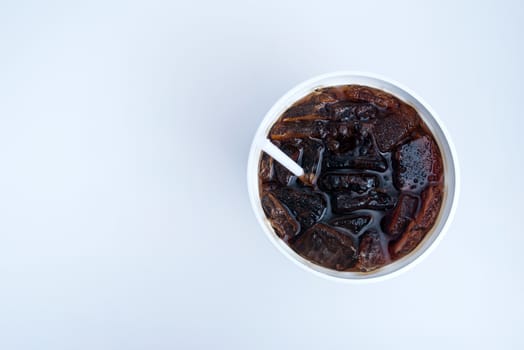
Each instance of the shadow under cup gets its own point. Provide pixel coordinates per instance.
(433, 123)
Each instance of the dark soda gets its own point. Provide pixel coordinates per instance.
(373, 182)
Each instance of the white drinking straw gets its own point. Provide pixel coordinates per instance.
(277, 154)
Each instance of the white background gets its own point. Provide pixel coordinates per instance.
(124, 133)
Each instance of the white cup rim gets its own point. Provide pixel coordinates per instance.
(431, 119)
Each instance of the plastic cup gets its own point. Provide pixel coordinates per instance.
(428, 115)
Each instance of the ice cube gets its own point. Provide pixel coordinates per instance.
(402, 215)
(360, 93)
(361, 152)
(281, 219)
(266, 171)
(416, 164)
(326, 246)
(359, 183)
(366, 112)
(298, 129)
(350, 161)
(352, 223)
(342, 110)
(347, 201)
(432, 200)
(370, 253)
(307, 206)
(310, 108)
(392, 129)
(407, 242)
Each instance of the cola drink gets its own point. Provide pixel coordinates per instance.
(373, 182)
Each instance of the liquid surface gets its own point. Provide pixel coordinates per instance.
(373, 183)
